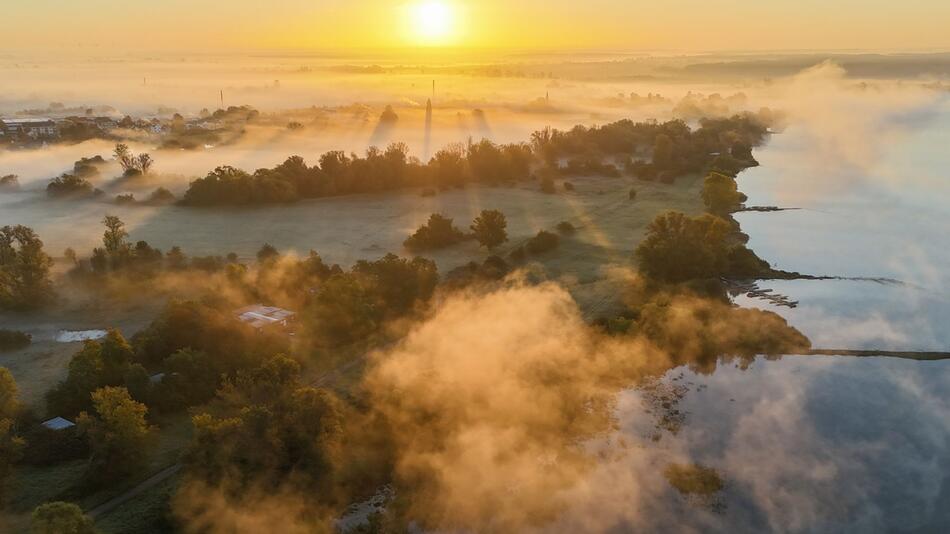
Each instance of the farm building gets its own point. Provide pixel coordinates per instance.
(58, 423)
(260, 316)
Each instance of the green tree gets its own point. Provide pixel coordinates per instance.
(662, 151)
(11, 446)
(60, 518)
(11, 449)
(117, 434)
(9, 405)
(721, 194)
(278, 432)
(678, 248)
(267, 254)
(97, 364)
(24, 269)
(489, 228)
(114, 237)
(437, 232)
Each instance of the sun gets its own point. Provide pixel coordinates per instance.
(432, 22)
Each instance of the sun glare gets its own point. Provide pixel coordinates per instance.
(432, 22)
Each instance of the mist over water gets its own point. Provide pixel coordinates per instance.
(885, 219)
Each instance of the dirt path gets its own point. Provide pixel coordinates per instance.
(146, 484)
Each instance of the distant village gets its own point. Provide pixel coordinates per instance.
(58, 123)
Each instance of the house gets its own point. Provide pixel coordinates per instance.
(35, 128)
(259, 316)
(58, 423)
(156, 378)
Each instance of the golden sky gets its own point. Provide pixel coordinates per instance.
(686, 25)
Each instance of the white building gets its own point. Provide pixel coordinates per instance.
(260, 316)
(35, 128)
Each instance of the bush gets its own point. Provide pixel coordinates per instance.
(721, 194)
(566, 228)
(50, 447)
(14, 339)
(125, 200)
(437, 232)
(70, 185)
(568, 186)
(60, 518)
(678, 248)
(547, 185)
(160, 196)
(9, 182)
(633, 194)
(744, 263)
(517, 255)
(428, 192)
(541, 243)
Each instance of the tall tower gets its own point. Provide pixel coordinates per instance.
(428, 136)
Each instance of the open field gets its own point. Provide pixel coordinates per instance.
(343, 230)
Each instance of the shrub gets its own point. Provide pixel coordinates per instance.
(547, 185)
(69, 185)
(125, 200)
(633, 194)
(14, 339)
(160, 196)
(566, 228)
(678, 248)
(517, 255)
(9, 182)
(541, 243)
(437, 232)
(721, 194)
(568, 186)
(60, 517)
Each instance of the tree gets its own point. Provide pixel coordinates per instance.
(489, 228)
(281, 432)
(437, 232)
(124, 156)
(117, 434)
(11, 449)
(11, 446)
(144, 163)
(662, 151)
(543, 242)
(114, 237)
(97, 364)
(267, 254)
(9, 405)
(60, 518)
(678, 248)
(9, 182)
(24, 269)
(399, 283)
(721, 194)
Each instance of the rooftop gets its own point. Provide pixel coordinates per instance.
(260, 316)
(25, 121)
(58, 423)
